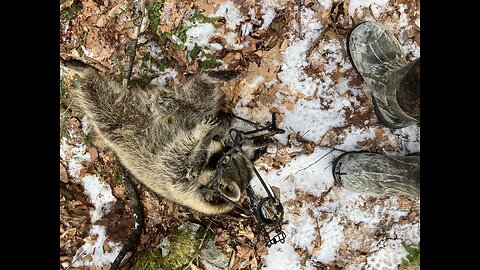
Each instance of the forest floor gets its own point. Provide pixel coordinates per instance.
(293, 61)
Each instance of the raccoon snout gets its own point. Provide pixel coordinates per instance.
(232, 191)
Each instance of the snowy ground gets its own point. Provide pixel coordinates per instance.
(323, 104)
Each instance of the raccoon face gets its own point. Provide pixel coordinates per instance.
(237, 175)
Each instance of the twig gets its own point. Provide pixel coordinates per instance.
(137, 213)
(316, 161)
(131, 49)
(298, 4)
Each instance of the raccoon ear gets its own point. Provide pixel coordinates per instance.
(232, 191)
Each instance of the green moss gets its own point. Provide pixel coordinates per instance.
(64, 111)
(183, 247)
(195, 51)
(413, 257)
(63, 90)
(181, 34)
(64, 115)
(154, 10)
(209, 62)
(197, 16)
(164, 37)
(71, 11)
(148, 60)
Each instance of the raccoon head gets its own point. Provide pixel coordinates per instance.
(235, 178)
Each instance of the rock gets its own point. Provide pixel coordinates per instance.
(212, 258)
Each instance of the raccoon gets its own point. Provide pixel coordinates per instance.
(170, 139)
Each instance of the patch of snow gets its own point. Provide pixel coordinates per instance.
(85, 125)
(388, 257)
(310, 173)
(312, 120)
(87, 52)
(377, 6)
(176, 39)
(268, 14)
(353, 135)
(199, 34)
(409, 233)
(292, 74)
(410, 136)
(154, 50)
(349, 205)
(216, 46)
(331, 235)
(253, 16)
(162, 79)
(404, 17)
(100, 195)
(413, 48)
(255, 82)
(282, 257)
(417, 22)
(301, 228)
(74, 155)
(246, 29)
(233, 16)
(96, 250)
(231, 41)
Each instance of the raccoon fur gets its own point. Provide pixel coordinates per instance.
(170, 139)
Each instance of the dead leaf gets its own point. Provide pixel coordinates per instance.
(289, 105)
(93, 153)
(116, 10)
(252, 45)
(244, 252)
(119, 191)
(232, 260)
(261, 251)
(318, 242)
(106, 247)
(87, 258)
(230, 57)
(247, 232)
(253, 264)
(63, 174)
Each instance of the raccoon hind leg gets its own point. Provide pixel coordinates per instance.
(109, 106)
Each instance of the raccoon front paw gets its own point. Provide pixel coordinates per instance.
(209, 194)
(211, 120)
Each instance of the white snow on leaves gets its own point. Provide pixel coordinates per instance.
(100, 194)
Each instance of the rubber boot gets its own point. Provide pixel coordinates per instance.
(378, 175)
(393, 82)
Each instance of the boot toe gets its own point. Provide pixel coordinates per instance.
(375, 174)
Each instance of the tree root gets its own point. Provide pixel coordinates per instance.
(137, 213)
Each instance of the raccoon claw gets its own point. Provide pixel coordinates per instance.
(208, 194)
(211, 120)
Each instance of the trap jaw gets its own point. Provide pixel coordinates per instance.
(267, 211)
